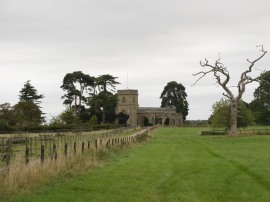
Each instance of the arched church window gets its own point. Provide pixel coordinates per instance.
(123, 100)
(133, 99)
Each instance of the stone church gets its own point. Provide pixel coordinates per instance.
(128, 104)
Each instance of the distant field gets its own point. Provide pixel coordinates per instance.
(177, 164)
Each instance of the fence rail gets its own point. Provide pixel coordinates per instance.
(241, 132)
(50, 146)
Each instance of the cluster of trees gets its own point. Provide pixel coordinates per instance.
(257, 111)
(26, 113)
(92, 100)
(88, 99)
(222, 77)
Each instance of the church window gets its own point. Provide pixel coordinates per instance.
(123, 100)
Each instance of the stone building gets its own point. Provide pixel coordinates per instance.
(128, 104)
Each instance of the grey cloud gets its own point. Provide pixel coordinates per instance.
(156, 41)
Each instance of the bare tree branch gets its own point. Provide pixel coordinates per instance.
(245, 79)
(222, 77)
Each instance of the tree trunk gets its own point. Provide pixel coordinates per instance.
(103, 115)
(233, 126)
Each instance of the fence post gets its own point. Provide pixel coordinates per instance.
(96, 142)
(100, 142)
(82, 147)
(42, 153)
(8, 156)
(88, 146)
(46, 141)
(66, 145)
(26, 154)
(35, 144)
(108, 143)
(74, 146)
(2, 144)
(31, 146)
(54, 153)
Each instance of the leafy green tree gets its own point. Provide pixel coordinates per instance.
(106, 83)
(261, 103)
(174, 95)
(27, 111)
(69, 117)
(76, 84)
(7, 117)
(29, 93)
(105, 100)
(221, 114)
(103, 106)
(93, 120)
(28, 114)
(7, 114)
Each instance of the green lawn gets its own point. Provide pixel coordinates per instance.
(177, 164)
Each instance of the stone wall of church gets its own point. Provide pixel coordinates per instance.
(157, 115)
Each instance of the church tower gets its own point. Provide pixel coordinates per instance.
(128, 104)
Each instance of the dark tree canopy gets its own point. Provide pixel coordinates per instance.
(174, 95)
(106, 82)
(261, 103)
(29, 93)
(7, 116)
(76, 84)
(90, 96)
(27, 114)
(221, 115)
(103, 106)
(105, 101)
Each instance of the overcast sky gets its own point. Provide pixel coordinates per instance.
(154, 41)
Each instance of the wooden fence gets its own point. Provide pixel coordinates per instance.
(255, 132)
(240, 132)
(50, 146)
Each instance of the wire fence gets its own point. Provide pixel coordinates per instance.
(41, 146)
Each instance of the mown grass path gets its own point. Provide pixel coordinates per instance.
(177, 164)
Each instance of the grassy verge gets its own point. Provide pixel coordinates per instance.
(177, 164)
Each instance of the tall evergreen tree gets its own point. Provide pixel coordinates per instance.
(29, 93)
(174, 95)
(76, 84)
(106, 99)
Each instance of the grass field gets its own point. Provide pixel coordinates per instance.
(177, 164)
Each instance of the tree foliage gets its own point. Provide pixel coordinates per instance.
(103, 106)
(29, 93)
(84, 91)
(7, 114)
(76, 84)
(221, 113)
(174, 95)
(106, 83)
(222, 77)
(261, 103)
(27, 114)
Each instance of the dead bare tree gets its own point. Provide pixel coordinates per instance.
(222, 76)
